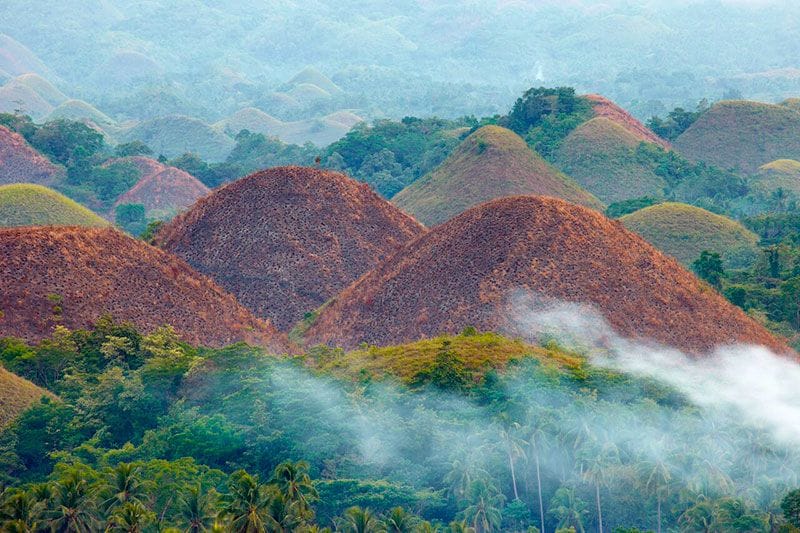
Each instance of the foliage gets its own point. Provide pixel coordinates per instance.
(709, 267)
(677, 121)
(625, 207)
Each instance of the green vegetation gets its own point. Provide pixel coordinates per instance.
(468, 431)
(676, 122)
(625, 207)
(25, 204)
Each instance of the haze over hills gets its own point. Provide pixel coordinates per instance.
(780, 174)
(164, 193)
(491, 163)
(465, 272)
(684, 232)
(24, 204)
(285, 240)
(72, 276)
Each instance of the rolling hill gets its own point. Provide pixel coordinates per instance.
(780, 174)
(319, 131)
(43, 88)
(470, 271)
(684, 231)
(16, 59)
(25, 204)
(312, 76)
(17, 97)
(72, 276)
(80, 111)
(164, 193)
(600, 155)
(175, 135)
(603, 107)
(284, 240)
(20, 163)
(491, 163)
(742, 134)
(16, 395)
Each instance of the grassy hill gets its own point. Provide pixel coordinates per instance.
(684, 231)
(80, 110)
(25, 204)
(781, 174)
(43, 87)
(16, 59)
(600, 155)
(175, 135)
(742, 134)
(16, 96)
(21, 163)
(319, 131)
(603, 107)
(165, 193)
(16, 395)
(312, 76)
(491, 163)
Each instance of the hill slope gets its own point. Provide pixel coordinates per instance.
(88, 272)
(466, 272)
(742, 134)
(20, 163)
(491, 163)
(175, 135)
(603, 107)
(684, 231)
(25, 204)
(16, 395)
(600, 155)
(165, 193)
(16, 97)
(284, 240)
(781, 174)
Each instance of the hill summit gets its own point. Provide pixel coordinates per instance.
(20, 163)
(165, 193)
(491, 163)
(25, 204)
(465, 272)
(284, 240)
(72, 276)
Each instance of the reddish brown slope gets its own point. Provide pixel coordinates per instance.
(461, 273)
(165, 192)
(20, 163)
(285, 240)
(97, 271)
(603, 107)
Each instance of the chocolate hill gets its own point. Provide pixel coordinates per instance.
(742, 134)
(491, 163)
(165, 193)
(20, 163)
(286, 239)
(16, 395)
(463, 273)
(781, 174)
(603, 107)
(25, 204)
(72, 276)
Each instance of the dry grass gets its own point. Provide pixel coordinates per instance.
(781, 174)
(20, 163)
(25, 204)
(16, 395)
(165, 193)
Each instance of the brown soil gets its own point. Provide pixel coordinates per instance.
(463, 273)
(20, 163)
(287, 239)
(603, 107)
(97, 271)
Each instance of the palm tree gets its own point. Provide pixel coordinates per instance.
(358, 520)
(513, 446)
(196, 510)
(485, 502)
(657, 474)
(423, 526)
(21, 511)
(282, 514)
(596, 464)
(400, 521)
(568, 509)
(123, 486)
(702, 516)
(247, 504)
(293, 480)
(131, 517)
(537, 440)
(72, 508)
(460, 527)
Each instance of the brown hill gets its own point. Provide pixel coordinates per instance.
(16, 395)
(491, 163)
(603, 107)
(87, 272)
(145, 165)
(284, 240)
(165, 193)
(20, 163)
(463, 273)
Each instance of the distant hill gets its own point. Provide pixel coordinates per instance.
(145, 165)
(312, 76)
(127, 70)
(284, 240)
(16, 59)
(603, 107)
(72, 276)
(18, 97)
(175, 135)
(468, 270)
(684, 232)
(781, 174)
(80, 110)
(43, 88)
(307, 93)
(16, 395)
(25, 204)
(600, 155)
(319, 131)
(164, 193)
(491, 163)
(20, 163)
(742, 134)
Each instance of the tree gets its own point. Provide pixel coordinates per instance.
(460, 478)
(537, 440)
(72, 505)
(596, 463)
(657, 477)
(483, 511)
(358, 520)
(197, 510)
(132, 148)
(293, 481)
(709, 268)
(132, 517)
(791, 507)
(513, 446)
(400, 521)
(131, 218)
(568, 510)
(22, 510)
(247, 504)
(124, 485)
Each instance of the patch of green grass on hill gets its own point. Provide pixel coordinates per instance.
(24, 204)
(780, 174)
(16, 395)
(684, 232)
(601, 156)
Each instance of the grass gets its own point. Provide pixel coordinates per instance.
(79, 110)
(175, 135)
(780, 174)
(16, 395)
(743, 135)
(23, 204)
(600, 155)
(491, 163)
(478, 353)
(684, 231)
